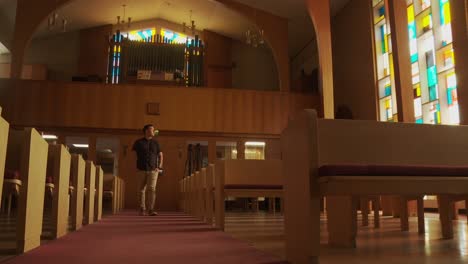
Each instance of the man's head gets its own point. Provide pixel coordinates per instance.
(148, 130)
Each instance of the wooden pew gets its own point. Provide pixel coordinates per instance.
(90, 182)
(60, 165)
(77, 178)
(114, 191)
(4, 126)
(209, 193)
(99, 194)
(245, 179)
(27, 155)
(343, 158)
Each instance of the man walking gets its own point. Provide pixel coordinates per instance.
(149, 163)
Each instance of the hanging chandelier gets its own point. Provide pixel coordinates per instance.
(53, 21)
(192, 26)
(121, 23)
(255, 37)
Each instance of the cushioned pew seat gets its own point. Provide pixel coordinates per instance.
(391, 170)
(11, 187)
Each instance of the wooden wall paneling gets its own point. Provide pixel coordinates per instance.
(113, 103)
(219, 110)
(51, 104)
(93, 51)
(257, 112)
(268, 112)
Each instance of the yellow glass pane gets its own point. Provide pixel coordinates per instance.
(410, 13)
(446, 12)
(388, 103)
(426, 22)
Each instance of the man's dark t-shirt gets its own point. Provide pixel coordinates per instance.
(147, 154)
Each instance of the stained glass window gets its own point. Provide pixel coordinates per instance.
(433, 61)
(174, 37)
(384, 59)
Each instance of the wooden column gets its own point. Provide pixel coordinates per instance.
(459, 10)
(212, 152)
(398, 19)
(240, 149)
(319, 11)
(92, 149)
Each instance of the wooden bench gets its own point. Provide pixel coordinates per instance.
(245, 179)
(77, 180)
(90, 182)
(114, 192)
(27, 157)
(4, 127)
(99, 194)
(343, 158)
(58, 168)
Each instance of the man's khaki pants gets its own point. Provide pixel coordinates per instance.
(148, 181)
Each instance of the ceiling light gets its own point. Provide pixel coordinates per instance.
(80, 145)
(49, 137)
(255, 144)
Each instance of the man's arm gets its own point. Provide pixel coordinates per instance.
(161, 158)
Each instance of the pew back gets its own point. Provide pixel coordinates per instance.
(252, 172)
(78, 180)
(99, 193)
(27, 152)
(61, 175)
(90, 183)
(371, 142)
(4, 126)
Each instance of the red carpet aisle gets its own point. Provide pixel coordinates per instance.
(130, 239)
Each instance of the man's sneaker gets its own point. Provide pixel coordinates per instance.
(143, 212)
(152, 213)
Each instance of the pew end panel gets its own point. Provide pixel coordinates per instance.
(99, 193)
(109, 192)
(4, 128)
(300, 164)
(61, 178)
(90, 182)
(77, 177)
(27, 153)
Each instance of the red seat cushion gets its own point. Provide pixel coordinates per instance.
(391, 170)
(253, 187)
(12, 174)
(49, 179)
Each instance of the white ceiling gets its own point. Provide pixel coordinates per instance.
(208, 14)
